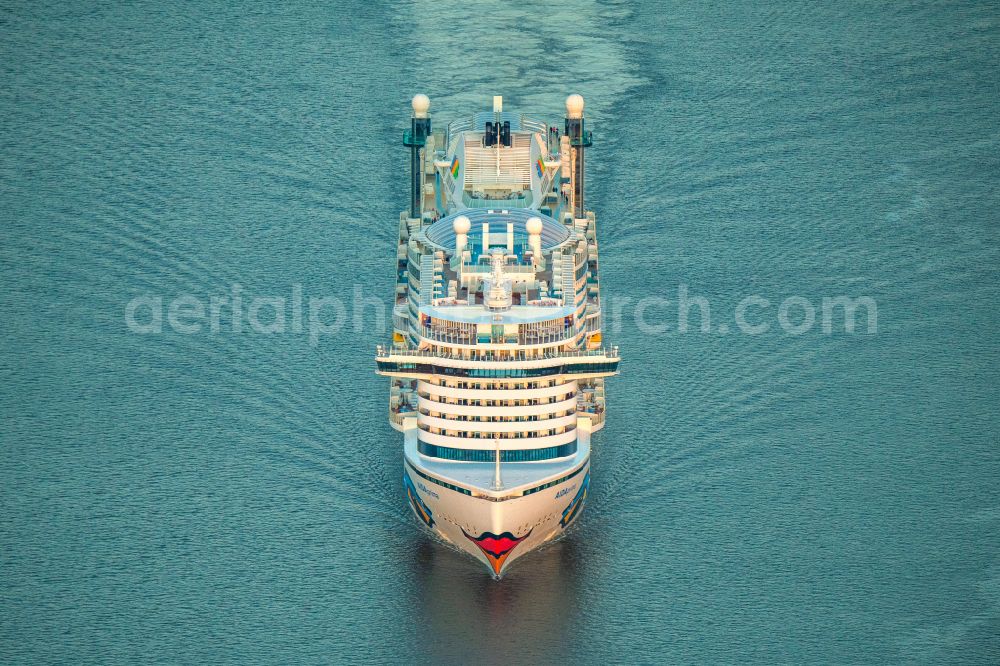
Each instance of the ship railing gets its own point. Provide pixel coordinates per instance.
(453, 338)
(461, 125)
(442, 413)
(442, 401)
(472, 338)
(522, 200)
(516, 269)
(490, 435)
(532, 125)
(530, 339)
(586, 406)
(525, 124)
(455, 128)
(384, 351)
(398, 415)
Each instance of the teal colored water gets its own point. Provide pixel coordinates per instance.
(773, 498)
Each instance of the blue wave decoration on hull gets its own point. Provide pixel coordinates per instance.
(423, 511)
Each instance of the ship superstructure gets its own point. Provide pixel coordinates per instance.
(497, 363)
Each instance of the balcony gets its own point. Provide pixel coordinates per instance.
(453, 336)
(506, 356)
(516, 364)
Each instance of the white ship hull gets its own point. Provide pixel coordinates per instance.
(497, 362)
(498, 531)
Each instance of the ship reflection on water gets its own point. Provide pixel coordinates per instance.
(466, 614)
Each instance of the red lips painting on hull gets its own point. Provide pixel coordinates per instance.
(496, 547)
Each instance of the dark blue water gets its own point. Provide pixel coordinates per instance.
(813, 498)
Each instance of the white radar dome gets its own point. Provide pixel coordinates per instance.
(533, 225)
(462, 224)
(574, 106)
(421, 103)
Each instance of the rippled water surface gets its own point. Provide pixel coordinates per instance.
(755, 498)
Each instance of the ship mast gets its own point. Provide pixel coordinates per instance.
(497, 481)
(579, 138)
(415, 139)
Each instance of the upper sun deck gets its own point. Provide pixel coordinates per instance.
(477, 266)
(479, 170)
(519, 123)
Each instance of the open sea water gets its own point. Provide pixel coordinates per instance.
(771, 498)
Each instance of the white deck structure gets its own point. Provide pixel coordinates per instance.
(497, 365)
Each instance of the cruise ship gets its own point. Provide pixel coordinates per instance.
(497, 363)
